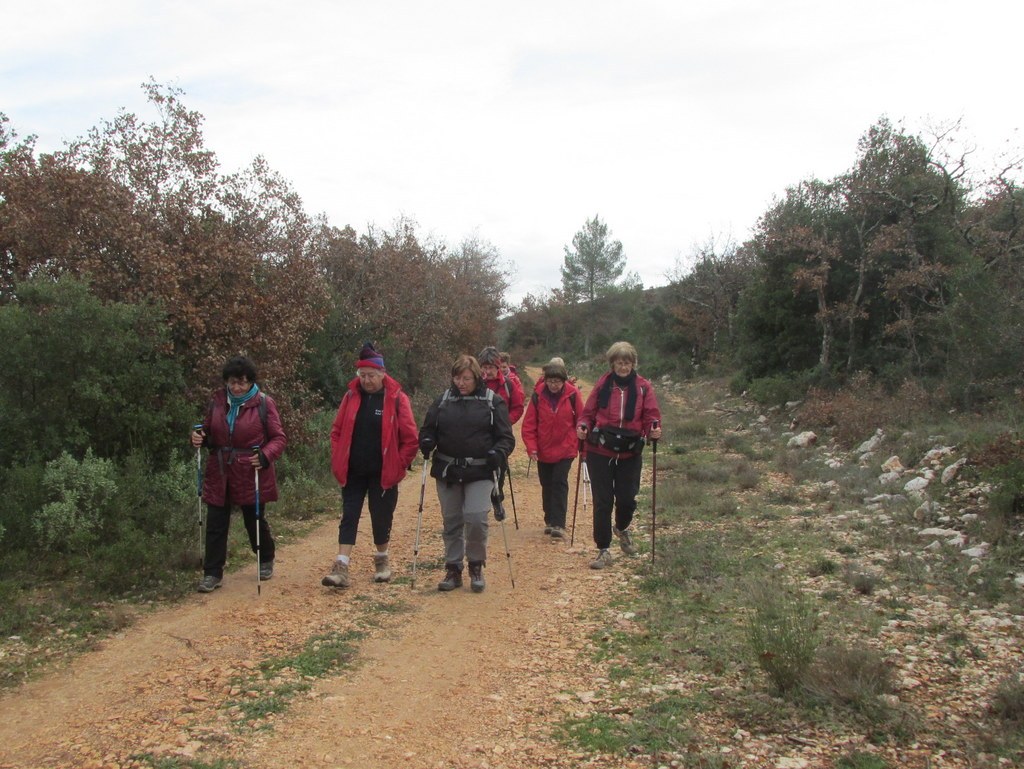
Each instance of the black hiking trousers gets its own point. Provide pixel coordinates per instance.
(614, 482)
(554, 490)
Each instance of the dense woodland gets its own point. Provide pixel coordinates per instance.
(131, 267)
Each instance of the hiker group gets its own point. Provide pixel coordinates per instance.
(465, 439)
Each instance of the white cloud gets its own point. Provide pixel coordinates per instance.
(672, 121)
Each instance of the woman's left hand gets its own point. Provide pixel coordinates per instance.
(655, 433)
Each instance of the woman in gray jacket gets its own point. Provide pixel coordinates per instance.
(468, 432)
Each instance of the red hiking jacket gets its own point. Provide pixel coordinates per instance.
(511, 391)
(551, 432)
(399, 438)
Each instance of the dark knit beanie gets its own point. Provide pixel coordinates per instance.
(370, 358)
(489, 355)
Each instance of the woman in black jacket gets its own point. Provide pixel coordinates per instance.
(467, 429)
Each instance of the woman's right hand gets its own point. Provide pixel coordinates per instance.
(197, 438)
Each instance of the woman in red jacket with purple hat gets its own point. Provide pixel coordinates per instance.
(373, 442)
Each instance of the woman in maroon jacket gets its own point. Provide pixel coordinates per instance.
(621, 412)
(549, 432)
(373, 441)
(242, 430)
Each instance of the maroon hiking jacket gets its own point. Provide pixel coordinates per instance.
(227, 479)
(647, 412)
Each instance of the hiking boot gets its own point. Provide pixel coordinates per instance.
(476, 576)
(266, 570)
(452, 577)
(625, 541)
(548, 529)
(338, 576)
(382, 569)
(557, 532)
(604, 558)
(208, 584)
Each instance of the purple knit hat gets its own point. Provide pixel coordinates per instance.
(370, 358)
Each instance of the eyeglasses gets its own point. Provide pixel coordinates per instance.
(236, 382)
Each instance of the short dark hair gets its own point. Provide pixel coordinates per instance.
(239, 366)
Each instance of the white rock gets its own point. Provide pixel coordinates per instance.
(915, 485)
(872, 443)
(951, 472)
(886, 478)
(978, 551)
(936, 532)
(936, 454)
(893, 465)
(803, 440)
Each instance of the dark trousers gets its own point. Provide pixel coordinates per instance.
(613, 482)
(382, 503)
(218, 520)
(554, 490)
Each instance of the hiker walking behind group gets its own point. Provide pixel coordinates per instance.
(620, 413)
(242, 431)
(549, 432)
(373, 442)
(468, 433)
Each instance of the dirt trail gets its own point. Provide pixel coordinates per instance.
(451, 680)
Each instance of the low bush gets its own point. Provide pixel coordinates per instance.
(783, 634)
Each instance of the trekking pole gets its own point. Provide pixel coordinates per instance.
(199, 493)
(528, 464)
(256, 474)
(586, 486)
(512, 492)
(654, 485)
(419, 523)
(496, 498)
(576, 496)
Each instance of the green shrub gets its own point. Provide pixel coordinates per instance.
(782, 632)
(80, 493)
(1008, 700)
(779, 389)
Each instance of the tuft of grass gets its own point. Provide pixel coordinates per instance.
(186, 763)
(861, 760)
(281, 678)
(822, 566)
(1008, 700)
(783, 635)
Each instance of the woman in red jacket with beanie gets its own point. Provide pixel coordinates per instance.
(549, 432)
(373, 441)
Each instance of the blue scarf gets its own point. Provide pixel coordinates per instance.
(235, 403)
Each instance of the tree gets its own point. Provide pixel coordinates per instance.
(138, 210)
(591, 268)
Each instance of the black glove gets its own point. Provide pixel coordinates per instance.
(427, 445)
(494, 461)
(499, 509)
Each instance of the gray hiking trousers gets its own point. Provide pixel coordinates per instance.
(464, 510)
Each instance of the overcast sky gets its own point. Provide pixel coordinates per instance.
(674, 121)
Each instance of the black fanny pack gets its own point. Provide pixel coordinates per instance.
(617, 439)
